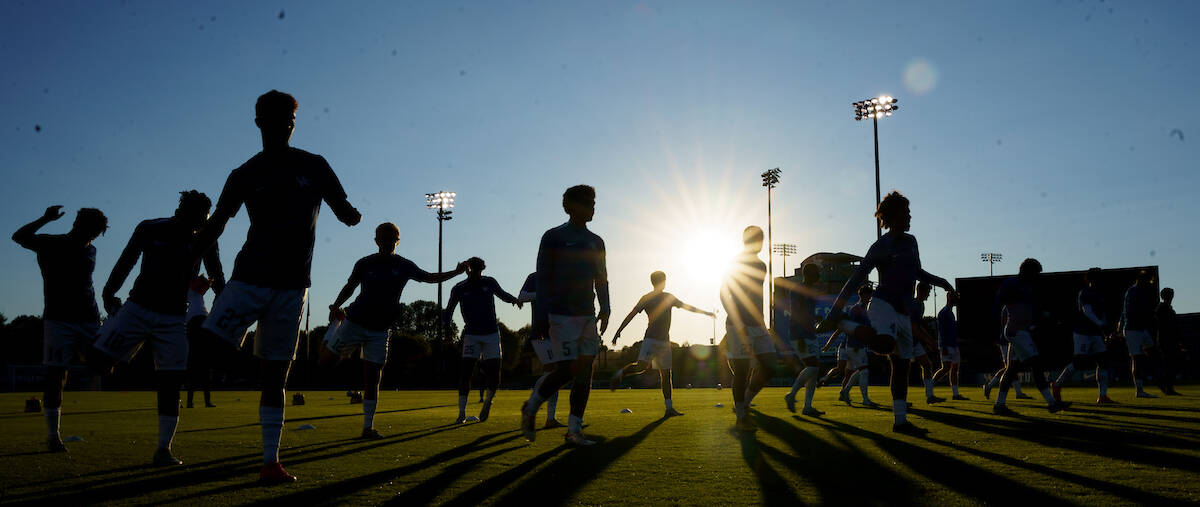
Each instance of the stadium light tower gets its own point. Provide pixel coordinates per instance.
(875, 108)
(440, 202)
(770, 178)
(784, 250)
(991, 258)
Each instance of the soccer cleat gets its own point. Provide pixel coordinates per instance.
(907, 428)
(987, 392)
(1172, 392)
(1023, 396)
(485, 411)
(1058, 406)
(1002, 410)
(163, 458)
(273, 473)
(527, 422)
(870, 404)
(790, 401)
(745, 425)
(189, 405)
(472, 419)
(812, 412)
(844, 397)
(370, 434)
(934, 399)
(672, 413)
(55, 444)
(209, 405)
(578, 439)
(1144, 394)
(1056, 391)
(553, 423)
(959, 397)
(1105, 400)
(461, 419)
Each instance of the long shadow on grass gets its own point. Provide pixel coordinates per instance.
(315, 418)
(67, 412)
(557, 482)
(774, 488)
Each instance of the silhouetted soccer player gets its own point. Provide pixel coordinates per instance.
(571, 274)
(540, 343)
(1015, 300)
(71, 317)
(155, 313)
(948, 344)
(853, 350)
(898, 260)
(364, 324)
(1014, 380)
(922, 339)
(1089, 349)
(282, 188)
(480, 335)
(803, 331)
(656, 344)
(746, 338)
(1167, 324)
(199, 350)
(1136, 318)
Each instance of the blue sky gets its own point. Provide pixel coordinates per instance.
(1027, 128)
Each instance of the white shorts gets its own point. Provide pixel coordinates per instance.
(951, 355)
(484, 347)
(65, 342)
(657, 351)
(345, 336)
(544, 351)
(1021, 347)
(887, 321)
(1086, 345)
(856, 357)
(808, 347)
(277, 311)
(918, 348)
(747, 342)
(573, 336)
(122, 336)
(1138, 340)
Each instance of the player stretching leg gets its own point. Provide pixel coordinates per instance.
(71, 317)
(365, 323)
(895, 255)
(1015, 299)
(156, 310)
(541, 348)
(802, 329)
(282, 188)
(922, 340)
(857, 372)
(746, 339)
(1138, 314)
(1088, 337)
(481, 335)
(1168, 340)
(948, 343)
(571, 275)
(656, 345)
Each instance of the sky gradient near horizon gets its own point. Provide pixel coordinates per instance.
(1059, 131)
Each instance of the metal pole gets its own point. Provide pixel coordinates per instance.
(770, 265)
(875, 127)
(441, 318)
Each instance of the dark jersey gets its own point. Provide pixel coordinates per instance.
(67, 265)
(896, 257)
(571, 272)
(382, 278)
(742, 293)
(1089, 297)
(1140, 301)
(916, 311)
(947, 328)
(1016, 298)
(802, 315)
(282, 193)
(658, 314)
(478, 298)
(168, 266)
(1167, 323)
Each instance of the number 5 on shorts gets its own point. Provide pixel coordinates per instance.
(566, 346)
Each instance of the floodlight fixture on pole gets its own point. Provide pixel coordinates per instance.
(770, 178)
(784, 250)
(990, 258)
(875, 108)
(441, 202)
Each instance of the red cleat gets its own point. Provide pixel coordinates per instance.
(1056, 391)
(1105, 400)
(273, 473)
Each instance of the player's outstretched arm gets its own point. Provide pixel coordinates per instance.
(934, 280)
(502, 294)
(228, 205)
(833, 337)
(628, 318)
(335, 196)
(856, 280)
(443, 276)
(27, 234)
(690, 308)
(125, 263)
(448, 313)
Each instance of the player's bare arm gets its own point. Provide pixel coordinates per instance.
(124, 266)
(24, 235)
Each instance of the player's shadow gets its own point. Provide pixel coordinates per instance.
(73, 414)
(314, 418)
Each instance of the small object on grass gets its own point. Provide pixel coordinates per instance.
(720, 405)
(626, 411)
(471, 418)
(297, 399)
(356, 397)
(306, 427)
(73, 438)
(33, 404)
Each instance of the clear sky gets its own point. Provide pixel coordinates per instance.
(1057, 130)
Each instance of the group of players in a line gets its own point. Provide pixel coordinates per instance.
(282, 188)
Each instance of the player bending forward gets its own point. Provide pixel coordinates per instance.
(853, 350)
(481, 335)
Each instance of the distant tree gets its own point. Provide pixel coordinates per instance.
(21, 340)
(421, 318)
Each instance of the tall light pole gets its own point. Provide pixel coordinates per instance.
(440, 202)
(784, 250)
(991, 258)
(770, 178)
(875, 109)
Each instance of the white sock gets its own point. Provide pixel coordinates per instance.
(551, 404)
(52, 417)
(1002, 398)
(900, 410)
(1138, 383)
(810, 388)
(1066, 373)
(369, 413)
(954, 389)
(928, 388)
(669, 403)
(1047, 396)
(1016, 384)
(797, 384)
(535, 402)
(271, 420)
(166, 430)
(574, 424)
(849, 382)
(863, 382)
(994, 380)
(1102, 381)
(462, 405)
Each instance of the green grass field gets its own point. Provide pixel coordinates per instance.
(1138, 452)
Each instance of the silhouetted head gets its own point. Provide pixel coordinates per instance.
(923, 291)
(1029, 270)
(752, 239)
(387, 236)
(475, 267)
(865, 292)
(810, 273)
(658, 279)
(89, 224)
(579, 202)
(193, 209)
(1092, 276)
(275, 115)
(952, 298)
(1168, 295)
(1143, 277)
(893, 213)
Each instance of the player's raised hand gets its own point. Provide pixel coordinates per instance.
(53, 213)
(111, 305)
(603, 318)
(615, 337)
(336, 314)
(520, 304)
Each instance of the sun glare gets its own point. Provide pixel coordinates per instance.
(707, 255)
